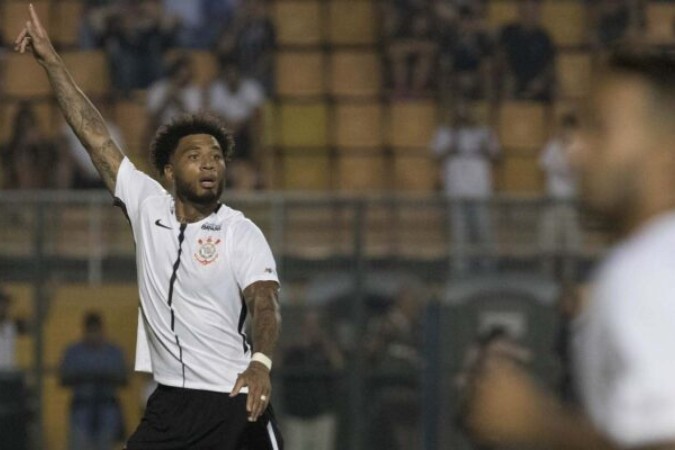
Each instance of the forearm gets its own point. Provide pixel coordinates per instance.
(86, 121)
(262, 298)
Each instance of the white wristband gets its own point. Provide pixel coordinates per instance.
(262, 359)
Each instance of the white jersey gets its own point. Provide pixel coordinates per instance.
(190, 279)
(625, 340)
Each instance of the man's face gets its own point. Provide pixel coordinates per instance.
(611, 151)
(197, 169)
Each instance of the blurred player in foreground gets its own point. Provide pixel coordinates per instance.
(624, 341)
(196, 259)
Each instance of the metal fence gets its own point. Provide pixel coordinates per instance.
(473, 266)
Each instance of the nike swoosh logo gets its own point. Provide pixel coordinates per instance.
(160, 224)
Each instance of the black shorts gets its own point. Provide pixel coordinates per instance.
(187, 419)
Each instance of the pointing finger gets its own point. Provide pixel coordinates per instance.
(36, 20)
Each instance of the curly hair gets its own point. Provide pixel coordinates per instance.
(166, 140)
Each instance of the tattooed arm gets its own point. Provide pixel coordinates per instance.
(80, 113)
(262, 301)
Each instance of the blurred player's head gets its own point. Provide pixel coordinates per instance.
(181, 70)
(626, 151)
(191, 153)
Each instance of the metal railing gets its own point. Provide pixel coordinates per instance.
(80, 236)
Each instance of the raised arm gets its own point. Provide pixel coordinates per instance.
(80, 113)
(262, 300)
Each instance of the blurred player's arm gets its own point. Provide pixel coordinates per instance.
(79, 112)
(262, 300)
(506, 407)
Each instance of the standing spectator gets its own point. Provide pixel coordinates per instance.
(190, 22)
(94, 22)
(83, 174)
(465, 52)
(611, 22)
(560, 227)
(8, 333)
(310, 387)
(94, 368)
(30, 160)
(528, 55)
(393, 347)
(239, 101)
(410, 47)
(251, 41)
(135, 39)
(176, 94)
(466, 151)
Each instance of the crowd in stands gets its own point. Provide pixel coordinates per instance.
(441, 49)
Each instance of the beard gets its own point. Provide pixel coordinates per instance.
(187, 192)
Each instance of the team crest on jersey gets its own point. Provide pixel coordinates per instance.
(207, 251)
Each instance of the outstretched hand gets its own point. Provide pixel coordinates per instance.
(257, 378)
(34, 38)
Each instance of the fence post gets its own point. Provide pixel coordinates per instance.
(357, 374)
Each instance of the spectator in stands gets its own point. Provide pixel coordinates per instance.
(393, 347)
(94, 368)
(310, 387)
(466, 151)
(83, 174)
(200, 22)
(560, 234)
(94, 20)
(251, 40)
(175, 94)
(409, 45)
(528, 56)
(30, 160)
(9, 330)
(136, 37)
(464, 54)
(611, 22)
(239, 101)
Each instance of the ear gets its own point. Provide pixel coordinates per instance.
(168, 173)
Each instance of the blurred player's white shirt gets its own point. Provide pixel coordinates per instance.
(467, 171)
(625, 340)
(190, 279)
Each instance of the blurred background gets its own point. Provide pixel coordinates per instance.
(406, 159)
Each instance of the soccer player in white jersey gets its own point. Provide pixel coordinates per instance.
(201, 267)
(624, 338)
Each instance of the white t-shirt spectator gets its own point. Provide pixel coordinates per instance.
(236, 106)
(467, 169)
(561, 181)
(190, 98)
(625, 340)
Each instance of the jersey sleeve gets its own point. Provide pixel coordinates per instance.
(640, 358)
(251, 257)
(132, 187)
